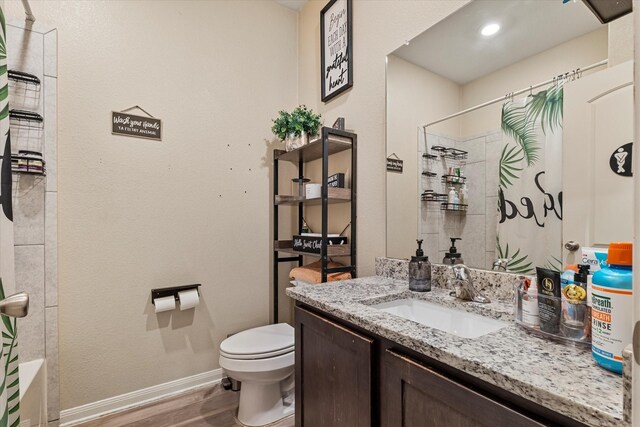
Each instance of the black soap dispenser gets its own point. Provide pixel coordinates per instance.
(453, 257)
(419, 271)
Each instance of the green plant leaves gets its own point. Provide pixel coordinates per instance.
(509, 165)
(554, 264)
(516, 125)
(547, 106)
(519, 263)
(519, 121)
(295, 123)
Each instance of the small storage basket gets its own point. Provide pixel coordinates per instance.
(568, 321)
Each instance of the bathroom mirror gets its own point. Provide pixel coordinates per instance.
(515, 138)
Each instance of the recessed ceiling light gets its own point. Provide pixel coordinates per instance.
(490, 29)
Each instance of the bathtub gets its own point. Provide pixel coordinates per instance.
(33, 393)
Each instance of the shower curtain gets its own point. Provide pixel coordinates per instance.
(9, 384)
(530, 189)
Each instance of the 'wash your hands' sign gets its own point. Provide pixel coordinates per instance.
(139, 126)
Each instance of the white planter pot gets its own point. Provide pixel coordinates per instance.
(293, 142)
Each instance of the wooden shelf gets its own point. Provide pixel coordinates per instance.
(313, 150)
(336, 195)
(332, 250)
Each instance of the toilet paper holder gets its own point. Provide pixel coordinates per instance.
(172, 291)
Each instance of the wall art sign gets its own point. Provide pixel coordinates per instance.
(126, 124)
(394, 164)
(621, 160)
(336, 47)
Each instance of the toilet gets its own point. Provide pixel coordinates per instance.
(262, 359)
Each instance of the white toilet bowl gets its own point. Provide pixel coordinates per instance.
(262, 359)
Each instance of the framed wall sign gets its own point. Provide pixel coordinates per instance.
(126, 124)
(394, 164)
(336, 48)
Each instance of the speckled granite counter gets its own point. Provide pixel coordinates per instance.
(536, 369)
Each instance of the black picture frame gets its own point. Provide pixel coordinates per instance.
(327, 94)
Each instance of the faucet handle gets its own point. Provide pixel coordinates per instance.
(461, 272)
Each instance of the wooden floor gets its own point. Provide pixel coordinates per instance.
(212, 406)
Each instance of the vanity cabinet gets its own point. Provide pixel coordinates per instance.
(415, 395)
(333, 373)
(346, 376)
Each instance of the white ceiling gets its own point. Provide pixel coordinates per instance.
(296, 5)
(454, 48)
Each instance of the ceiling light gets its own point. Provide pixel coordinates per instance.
(490, 29)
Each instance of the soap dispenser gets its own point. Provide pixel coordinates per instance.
(453, 256)
(419, 271)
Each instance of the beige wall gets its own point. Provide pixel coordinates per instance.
(415, 96)
(194, 208)
(379, 28)
(575, 53)
(621, 40)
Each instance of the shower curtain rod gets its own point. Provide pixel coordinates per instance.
(512, 94)
(27, 10)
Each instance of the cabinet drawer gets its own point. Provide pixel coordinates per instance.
(412, 395)
(333, 374)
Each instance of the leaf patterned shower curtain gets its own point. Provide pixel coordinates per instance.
(530, 190)
(9, 386)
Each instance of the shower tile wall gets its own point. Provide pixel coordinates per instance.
(35, 202)
(476, 227)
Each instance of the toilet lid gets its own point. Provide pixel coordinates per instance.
(265, 340)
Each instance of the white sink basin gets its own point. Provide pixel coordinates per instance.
(456, 322)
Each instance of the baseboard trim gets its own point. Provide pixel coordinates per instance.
(91, 411)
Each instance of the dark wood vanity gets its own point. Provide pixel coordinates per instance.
(347, 376)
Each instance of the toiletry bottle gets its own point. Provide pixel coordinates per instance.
(453, 256)
(549, 302)
(529, 301)
(464, 195)
(456, 200)
(452, 197)
(574, 307)
(612, 308)
(419, 271)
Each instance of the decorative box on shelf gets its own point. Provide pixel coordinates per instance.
(336, 180)
(312, 242)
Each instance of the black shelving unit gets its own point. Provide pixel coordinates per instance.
(331, 141)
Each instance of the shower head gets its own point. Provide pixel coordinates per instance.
(16, 305)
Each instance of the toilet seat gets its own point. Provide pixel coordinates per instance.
(283, 361)
(259, 343)
(257, 355)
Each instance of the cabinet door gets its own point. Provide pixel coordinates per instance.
(413, 395)
(333, 374)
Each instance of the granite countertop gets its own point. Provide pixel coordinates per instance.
(537, 369)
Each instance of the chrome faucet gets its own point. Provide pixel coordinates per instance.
(463, 285)
(501, 264)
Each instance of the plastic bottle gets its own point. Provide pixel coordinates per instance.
(530, 314)
(612, 308)
(452, 197)
(464, 195)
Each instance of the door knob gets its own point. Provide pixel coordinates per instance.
(572, 246)
(16, 305)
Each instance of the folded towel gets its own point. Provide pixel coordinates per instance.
(310, 273)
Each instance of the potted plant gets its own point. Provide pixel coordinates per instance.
(295, 128)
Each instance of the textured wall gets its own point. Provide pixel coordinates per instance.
(35, 201)
(194, 208)
(415, 96)
(379, 27)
